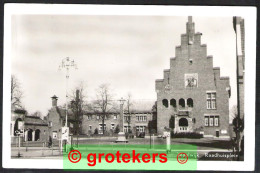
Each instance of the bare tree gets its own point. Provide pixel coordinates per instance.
(104, 102)
(16, 92)
(129, 105)
(37, 114)
(78, 104)
(233, 112)
(82, 95)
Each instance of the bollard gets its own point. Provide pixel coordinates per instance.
(19, 154)
(168, 142)
(153, 141)
(42, 149)
(52, 149)
(26, 146)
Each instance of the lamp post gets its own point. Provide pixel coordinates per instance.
(67, 64)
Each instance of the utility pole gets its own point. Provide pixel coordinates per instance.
(78, 111)
(238, 24)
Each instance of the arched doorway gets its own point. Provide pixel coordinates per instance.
(16, 125)
(29, 135)
(183, 124)
(37, 134)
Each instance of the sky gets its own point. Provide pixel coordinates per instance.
(127, 52)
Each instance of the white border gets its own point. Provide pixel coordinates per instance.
(248, 13)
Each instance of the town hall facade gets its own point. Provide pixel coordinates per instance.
(192, 93)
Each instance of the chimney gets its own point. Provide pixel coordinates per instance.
(54, 101)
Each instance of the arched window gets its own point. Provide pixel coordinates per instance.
(29, 134)
(190, 102)
(165, 103)
(182, 103)
(37, 134)
(16, 125)
(173, 103)
(183, 122)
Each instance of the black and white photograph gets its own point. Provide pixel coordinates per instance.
(109, 77)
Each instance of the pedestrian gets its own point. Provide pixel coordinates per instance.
(50, 141)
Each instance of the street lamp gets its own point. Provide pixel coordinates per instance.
(67, 64)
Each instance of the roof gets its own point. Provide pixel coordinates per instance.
(33, 120)
(54, 97)
(17, 110)
(20, 111)
(62, 113)
(137, 107)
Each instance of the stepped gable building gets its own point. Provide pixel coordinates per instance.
(192, 93)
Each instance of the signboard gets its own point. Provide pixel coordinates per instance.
(20, 125)
(54, 135)
(65, 133)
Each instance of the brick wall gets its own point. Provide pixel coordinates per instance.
(94, 122)
(54, 121)
(192, 58)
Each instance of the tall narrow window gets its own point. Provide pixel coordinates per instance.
(190, 102)
(182, 103)
(211, 100)
(165, 103)
(206, 120)
(216, 121)
(173, 103)
(211, 121)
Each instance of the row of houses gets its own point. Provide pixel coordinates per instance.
(37, 129)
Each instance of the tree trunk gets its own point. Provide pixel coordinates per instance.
(103, 125)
